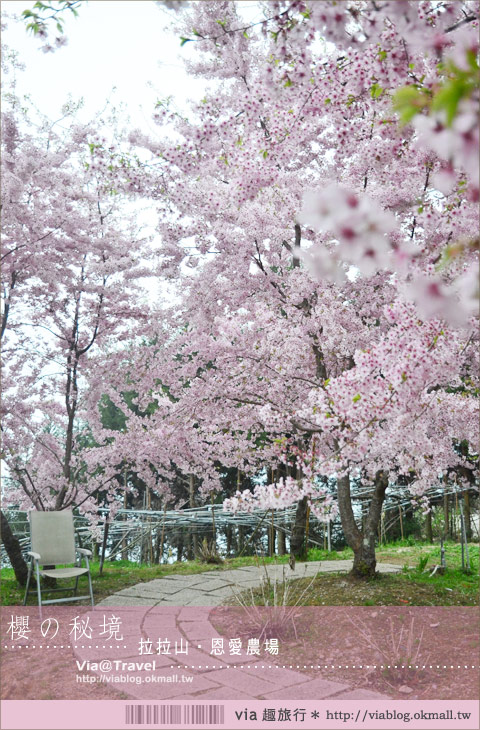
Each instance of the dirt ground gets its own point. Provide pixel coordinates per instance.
(56, 682)
(356, 645)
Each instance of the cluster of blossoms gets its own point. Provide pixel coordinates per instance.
(357, 223)
(283, 493)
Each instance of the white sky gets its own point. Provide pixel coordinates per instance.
(112, 43)
(121, 44)
(118, 44)
(124, 45)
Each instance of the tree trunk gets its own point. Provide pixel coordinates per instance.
(14, 551)
(124, 554)
(156, 556)
(228, 537)
(428, 527)
(362, 542)
(191, 491)
(71, 394)
(297, 541)
(271, 537)
(241, 538)
(364, 560)
(468, 520)
(189, 544)
(271, 541)
(446, 528)
(282, 543)
(180, 548)
(104, 545)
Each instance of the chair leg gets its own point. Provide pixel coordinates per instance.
(39, 590)
(29, 575)
(89, 580)
(90, 587)
(76, 586)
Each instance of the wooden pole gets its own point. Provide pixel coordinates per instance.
(456, 514)
(240, 541)
(192, 504)
(124, 541)
(270, 536)
(464, 537)
(307, 525)
(213, 522)
(461, 541)
(443, 562)
(329, 538)
(104, 544)
(282, 546)
(150, 539)
(163, 532)
(468, 521)
(445, 515)
(142, 550)
(401, 518)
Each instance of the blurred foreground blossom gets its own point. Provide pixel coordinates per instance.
(356, 221)
(455, 303)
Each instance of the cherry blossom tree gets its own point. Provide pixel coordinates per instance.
(318, 220)
(307, 149)
(72, 261)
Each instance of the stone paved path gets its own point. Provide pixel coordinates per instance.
(197, 674)
(214, 587)
(181, 606)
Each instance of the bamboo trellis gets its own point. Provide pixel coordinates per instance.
(136, 525)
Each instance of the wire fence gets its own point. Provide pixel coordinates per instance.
(147, 535)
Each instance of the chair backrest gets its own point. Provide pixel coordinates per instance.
(53, 536)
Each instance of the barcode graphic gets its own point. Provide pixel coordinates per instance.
(203, 715)
(172, 714)
(153, 714)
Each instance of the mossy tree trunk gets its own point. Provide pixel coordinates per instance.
(14, 551)
(362, 541)
(297, 541)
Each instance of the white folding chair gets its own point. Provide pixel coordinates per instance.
(53, 543)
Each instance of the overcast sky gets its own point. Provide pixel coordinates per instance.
(126, 45)
(119, 44)
(112, 43)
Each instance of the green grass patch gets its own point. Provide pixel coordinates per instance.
(413, 586)
(121, 574)
(454, 588)
(404, 553)
(319, 554)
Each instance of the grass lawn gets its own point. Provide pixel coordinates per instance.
(413, 586)
(408, 588)
(406, 553)
(121, 574)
